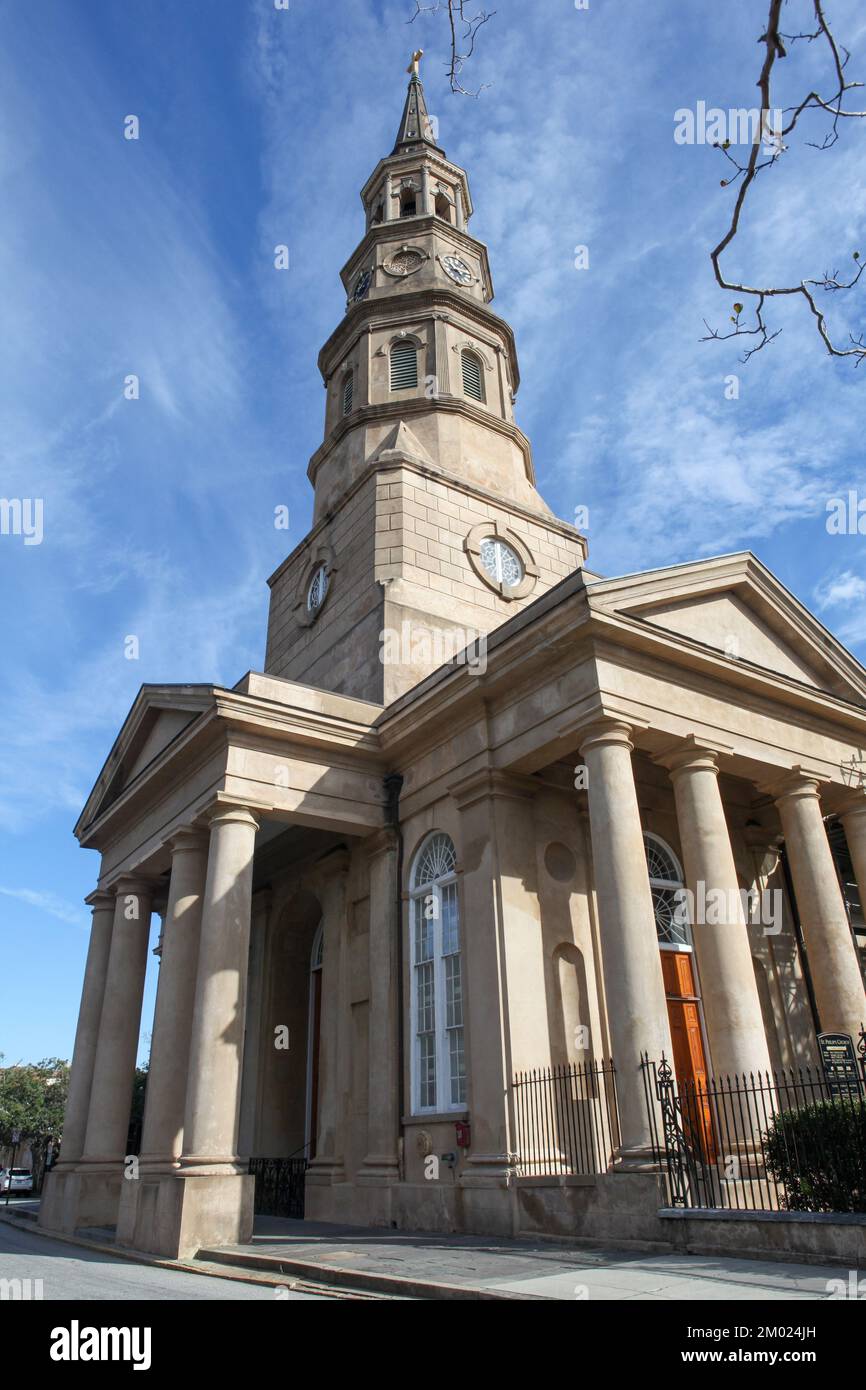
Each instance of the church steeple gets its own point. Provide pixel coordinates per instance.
(415, 126)
(426, 511)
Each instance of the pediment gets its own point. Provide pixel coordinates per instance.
(158, 716)
(734, 606)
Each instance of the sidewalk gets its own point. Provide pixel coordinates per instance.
(416, 1265)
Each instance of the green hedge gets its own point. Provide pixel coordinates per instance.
(819, 1153)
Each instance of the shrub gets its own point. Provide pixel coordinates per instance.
(819, 1153)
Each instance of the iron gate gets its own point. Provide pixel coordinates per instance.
(279, 1185)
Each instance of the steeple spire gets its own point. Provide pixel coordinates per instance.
(415, 125)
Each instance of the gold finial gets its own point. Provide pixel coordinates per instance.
(416, 58)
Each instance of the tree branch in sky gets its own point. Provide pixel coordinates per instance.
(765, 151)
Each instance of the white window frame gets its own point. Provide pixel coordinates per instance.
(669, 885)
(322, 574)
(500, 545)
(417, 895)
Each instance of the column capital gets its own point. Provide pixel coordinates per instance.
(233, 812)
(382, 841)
(335, 863)
(487, 782)
(188, 838)
(100, 899)
(851, 807)
(795, 785)
(134, 883)
(692, 754)
(607, 731)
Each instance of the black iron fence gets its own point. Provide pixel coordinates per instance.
(280, 1185)
(792, 1140)
(565, 1119)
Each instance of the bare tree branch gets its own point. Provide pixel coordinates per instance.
(468, 25)
(745, 174)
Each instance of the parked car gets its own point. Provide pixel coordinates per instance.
(16, 1180)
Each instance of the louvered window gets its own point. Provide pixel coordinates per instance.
(348, 387)
(404, 366)
(473, 384)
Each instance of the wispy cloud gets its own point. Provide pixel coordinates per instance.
(839, 589)
(50, 903)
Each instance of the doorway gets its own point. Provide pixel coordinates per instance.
(681, 992)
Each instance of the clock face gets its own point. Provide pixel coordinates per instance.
(362, 285)
(458, 270)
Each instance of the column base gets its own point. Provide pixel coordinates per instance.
(379, 1170)
(81, 1197)
(326, 1171)
(489, 1170)
(638, 1160)
(175, 1214)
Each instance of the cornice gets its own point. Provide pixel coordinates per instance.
(415, 227)
(370, 314)
(551, 523)
(406, 410)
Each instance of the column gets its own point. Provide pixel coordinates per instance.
(87, 1031)
(504, 989)
(853, 820)
(835, 969)
(731, 1004)
(114, 1065)
(426, 209)
(162, 1134)
(251, 1080)
(216, 1044)
(385, 1085)
(636, 1005)
(327, 1166)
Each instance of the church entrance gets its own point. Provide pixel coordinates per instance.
(682, 994)
(687, 1040)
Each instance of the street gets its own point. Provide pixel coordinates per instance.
(70, 1272)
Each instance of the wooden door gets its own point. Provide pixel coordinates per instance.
(688, 1046)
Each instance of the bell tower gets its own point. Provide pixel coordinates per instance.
(427, 525)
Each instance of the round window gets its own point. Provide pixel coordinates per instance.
(317, 590)
(501, 562)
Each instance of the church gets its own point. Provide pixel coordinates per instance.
(442, 840)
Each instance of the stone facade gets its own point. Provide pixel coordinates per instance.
(393, 878)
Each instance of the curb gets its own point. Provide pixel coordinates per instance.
(28, 1222)
(343, 1277)
(270, 1270)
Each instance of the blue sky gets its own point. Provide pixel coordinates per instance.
(259, 126)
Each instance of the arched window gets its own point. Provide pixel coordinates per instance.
(438, 1061)
(407, 202)
(442, 207)
(404, 365)
(348, 390)
(666, 886)
(473, 376)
